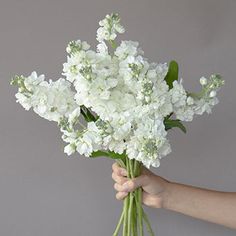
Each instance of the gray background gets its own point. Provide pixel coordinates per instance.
(44, 193)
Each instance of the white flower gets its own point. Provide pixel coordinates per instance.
(74, 116)
(203, 81)
(84, 146)
(70, 149)
(161, 70)
(205, 106)
(23, 100)
(178, 94)
(102, 48)
(185, 113)
(149, 143)
(109, 27)
(49, 100)
(127, 48)
(212, 94)
(53, 100)
(128, 95)
(190, 101)
(77, 46)
(89, 142)
(33, 80)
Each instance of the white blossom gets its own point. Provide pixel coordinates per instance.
(178, 94)
(127, 48)
(203, 81)
(124, 98)
(70, 149)
(49, 100)
(110, 26)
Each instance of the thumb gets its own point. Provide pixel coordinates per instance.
(137, 182)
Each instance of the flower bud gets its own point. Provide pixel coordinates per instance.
(203, 81)
(212, 94)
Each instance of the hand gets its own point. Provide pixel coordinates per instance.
(154, 187)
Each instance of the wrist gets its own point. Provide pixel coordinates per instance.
(166, 195)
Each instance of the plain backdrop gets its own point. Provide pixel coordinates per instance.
(45, 193)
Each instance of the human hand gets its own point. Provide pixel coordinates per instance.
(154, 187)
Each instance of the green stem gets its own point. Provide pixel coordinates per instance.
(140, 211)
(149, 228)
(121, 163)
(131, 167)
(136, 165)
(133, 214)
(126, 206)
(138, 198)
(113, 44)
(119, 224)
(135, 231)
(128, 167)
(130, 214)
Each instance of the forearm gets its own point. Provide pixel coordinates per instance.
(213, 206)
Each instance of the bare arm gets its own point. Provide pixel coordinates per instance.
(213, 206)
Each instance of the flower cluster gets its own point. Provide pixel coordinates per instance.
(185, 105)
(51, 100)
(124, 98)
(110, 26)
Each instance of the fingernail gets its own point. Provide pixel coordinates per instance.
(126, 186)
(123, 172)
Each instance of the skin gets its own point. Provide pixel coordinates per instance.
(213, 206)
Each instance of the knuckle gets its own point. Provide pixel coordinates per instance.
(116, 187)
(120, 180)
(122, 172)
(113, 166)
(131, 185)
(118, 196)
(124, 181)
(119, 171)
(113, 175)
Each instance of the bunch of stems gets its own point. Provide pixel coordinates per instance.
(133, 216)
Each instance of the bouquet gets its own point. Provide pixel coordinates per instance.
(113, 102)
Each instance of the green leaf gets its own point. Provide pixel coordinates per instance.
(99, 154)
(172, 73)
(169, 124)
(110, 154)
(168, 117)
(84, 115)
(90, 115)
(87, 114)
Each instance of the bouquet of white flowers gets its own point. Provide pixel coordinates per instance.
(114, 103)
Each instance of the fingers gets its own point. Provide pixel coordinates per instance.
(121, 171)
(118, 174)
(125, 185)
(147, 199)
(121, 195)
(132, 184)
(118, 170)
(118, 179)
(119, 187)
